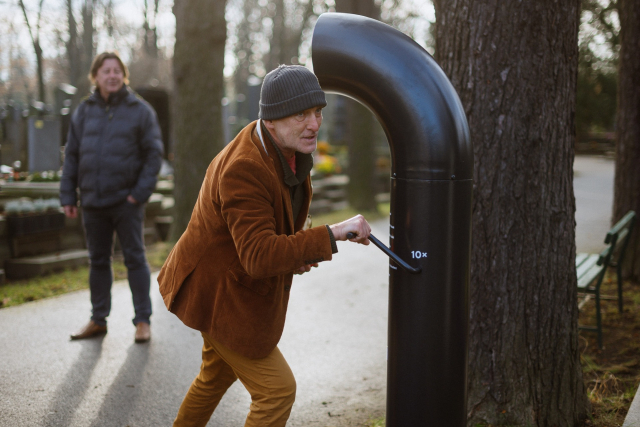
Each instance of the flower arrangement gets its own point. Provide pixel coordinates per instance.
(324, 162)
(45, 176)
(327, 165)
(323, 148)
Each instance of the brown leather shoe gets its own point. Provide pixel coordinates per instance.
(92, 329)
(143, 332)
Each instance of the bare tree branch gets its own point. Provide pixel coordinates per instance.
(35, 39)
(26, 20)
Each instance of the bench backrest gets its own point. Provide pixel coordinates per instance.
(605, 255)
(593, 273)
(620, 233)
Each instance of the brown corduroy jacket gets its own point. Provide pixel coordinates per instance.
(230, 273)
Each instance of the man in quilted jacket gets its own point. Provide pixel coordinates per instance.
(112, 156)
(230, 274)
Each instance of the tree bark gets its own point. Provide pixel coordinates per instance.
(514, 65)
(361, 190)
(198, 62)
(627, 180)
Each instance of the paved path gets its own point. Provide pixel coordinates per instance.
(593, 188)
(334, 340)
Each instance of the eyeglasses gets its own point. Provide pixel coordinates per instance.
(304, 115)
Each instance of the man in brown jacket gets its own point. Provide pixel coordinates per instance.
(229, 276)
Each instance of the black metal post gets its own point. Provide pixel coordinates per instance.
(431, 195)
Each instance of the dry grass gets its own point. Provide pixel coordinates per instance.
(612, 374)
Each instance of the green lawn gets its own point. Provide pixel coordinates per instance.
(16, 292)
(21, 291)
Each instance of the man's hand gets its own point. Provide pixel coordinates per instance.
(70, 211)
(131, 200)
(357, 225)
(305, 268)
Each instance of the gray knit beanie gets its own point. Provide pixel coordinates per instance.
(287, 90)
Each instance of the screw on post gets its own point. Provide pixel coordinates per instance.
(387, 251)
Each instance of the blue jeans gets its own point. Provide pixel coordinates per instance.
(125, 219)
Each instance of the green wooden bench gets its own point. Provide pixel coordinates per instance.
(591, 268)
(623, 229)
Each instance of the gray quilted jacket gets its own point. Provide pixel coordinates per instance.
(113, 149)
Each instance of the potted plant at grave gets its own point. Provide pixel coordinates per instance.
(45, 176)
(18, 215)
(53, 205)
(12, 209)
(26, 217)
(40, 220)
(54, 213)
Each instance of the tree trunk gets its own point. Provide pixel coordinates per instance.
(244, 63)
(294, 35)
(151, 33)
(361, 190)
(40, 69)
(278, 37)
(285, 37)
(87, 50)
(73, 51)
(627, 181)
(514, 65)
(198, 63)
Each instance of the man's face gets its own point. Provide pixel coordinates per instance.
(110, 77)
(298, 132)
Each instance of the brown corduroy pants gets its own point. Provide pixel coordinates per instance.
(269, 381)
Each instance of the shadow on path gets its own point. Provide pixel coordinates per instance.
(70, 393)
(120, 400)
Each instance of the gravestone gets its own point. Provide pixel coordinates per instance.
(161, 103)
(254, 86)
(14, 144)
(44, 143)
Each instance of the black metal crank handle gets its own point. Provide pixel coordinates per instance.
(386, 250)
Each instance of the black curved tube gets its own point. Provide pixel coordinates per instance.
(431, 204)
(406, 89)
(389, 253)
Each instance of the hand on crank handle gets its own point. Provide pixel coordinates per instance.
(386, 250)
